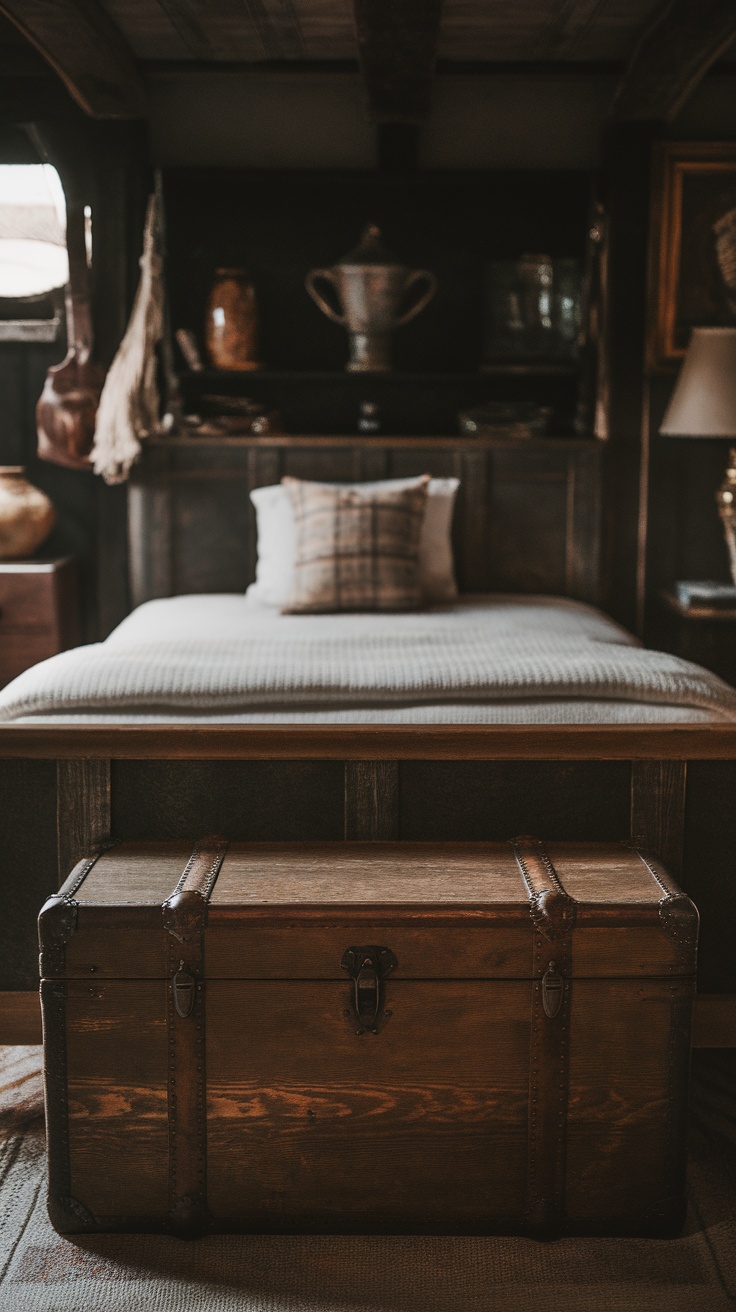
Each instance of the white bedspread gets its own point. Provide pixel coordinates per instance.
(483, 660)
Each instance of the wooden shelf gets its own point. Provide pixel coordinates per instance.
(212, 377)
(416, 403)
(377, 440)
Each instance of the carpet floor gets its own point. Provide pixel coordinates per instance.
(40, 1272)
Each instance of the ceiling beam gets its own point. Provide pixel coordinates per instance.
(673, 53)
(397, 49)
(85, 48)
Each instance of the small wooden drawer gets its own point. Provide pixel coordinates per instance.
(38, 612)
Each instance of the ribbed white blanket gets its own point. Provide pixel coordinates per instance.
(502, 659)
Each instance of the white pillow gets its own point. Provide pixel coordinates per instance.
(277, 541)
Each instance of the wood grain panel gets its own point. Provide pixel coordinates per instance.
(290, 949)
(299, 1033)
(118, 1112)
(710, 844)
(364, 875)
(150, 537)
(28, 864)
(658, 809)
(714, 1018)
(371, 800)
(583, 535)
(516, 527)
(20, 1017)
(623, 1157)
(285, 744)
(434, 1136)
(472, 531)
(473, 801)
(82, 810)
(242, 799)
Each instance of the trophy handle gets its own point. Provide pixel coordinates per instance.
(413, 278)
(324, 305)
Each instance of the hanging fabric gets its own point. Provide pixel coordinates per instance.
(129, 405)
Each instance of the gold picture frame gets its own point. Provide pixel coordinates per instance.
(694, 187)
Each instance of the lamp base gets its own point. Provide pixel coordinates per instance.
(726, 502)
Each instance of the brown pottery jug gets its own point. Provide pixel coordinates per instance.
(232, 325)
(26, 514)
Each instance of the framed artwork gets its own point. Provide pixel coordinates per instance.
(693, 248)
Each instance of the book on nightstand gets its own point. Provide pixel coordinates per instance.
(705, 593)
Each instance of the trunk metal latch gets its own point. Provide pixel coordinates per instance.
(552, 989)
(183, 987)
(368, 968)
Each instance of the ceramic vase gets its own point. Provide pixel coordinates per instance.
(232, 324)
(26, 514)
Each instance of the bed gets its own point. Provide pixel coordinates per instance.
(614, 742)
(482, 660)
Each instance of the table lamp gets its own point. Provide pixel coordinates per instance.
(703, 404)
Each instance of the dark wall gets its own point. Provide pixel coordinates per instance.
(22, 372)
(109, 163)
(510, 121)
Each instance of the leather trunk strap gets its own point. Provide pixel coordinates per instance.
(185, 920)
(553, 917)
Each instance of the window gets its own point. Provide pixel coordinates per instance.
(33, 260)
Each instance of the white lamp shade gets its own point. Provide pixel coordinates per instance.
(703, 403)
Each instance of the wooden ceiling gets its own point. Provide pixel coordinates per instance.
(488, 30)
(102, 49)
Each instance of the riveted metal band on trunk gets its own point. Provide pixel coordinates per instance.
(184, 920)
(552, 913)
(57, 919)
(57, 922)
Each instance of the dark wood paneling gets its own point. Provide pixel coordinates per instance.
(447, 801)
(261, 742)
(242, 799)
(526, 520)
(28, 872)
(708, 867)
(82, 810)
(628, 168)
(658, 809)
(371, 800)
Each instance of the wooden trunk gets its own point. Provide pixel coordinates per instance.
(465, 1037)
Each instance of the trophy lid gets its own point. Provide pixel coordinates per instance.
(370, 250)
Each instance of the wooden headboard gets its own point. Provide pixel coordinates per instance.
(527, 517)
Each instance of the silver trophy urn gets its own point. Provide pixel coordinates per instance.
(370, 287)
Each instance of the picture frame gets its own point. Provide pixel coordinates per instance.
(692, 267)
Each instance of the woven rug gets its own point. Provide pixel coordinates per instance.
(40, 1272)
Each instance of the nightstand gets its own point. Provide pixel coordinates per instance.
(39, 612)
(703, 634)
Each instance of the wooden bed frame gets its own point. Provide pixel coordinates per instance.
(66, 790)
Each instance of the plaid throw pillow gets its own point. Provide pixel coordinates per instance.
(356, 550)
